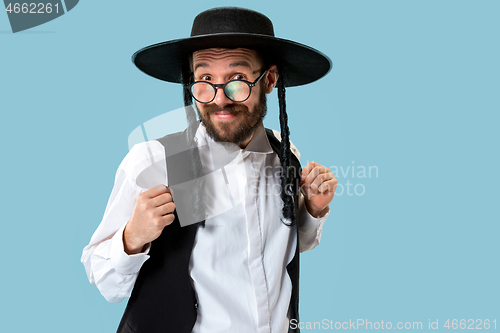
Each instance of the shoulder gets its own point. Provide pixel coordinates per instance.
(140, 157)
(294, 149)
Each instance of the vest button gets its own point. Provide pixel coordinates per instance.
(196, 305)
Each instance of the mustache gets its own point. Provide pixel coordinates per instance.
(231, 108)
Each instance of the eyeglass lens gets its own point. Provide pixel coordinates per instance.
(237, 91)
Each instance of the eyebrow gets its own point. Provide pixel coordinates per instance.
(232, 65)
(240, 63)
(200, 64)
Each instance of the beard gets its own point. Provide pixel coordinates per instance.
(244, 130)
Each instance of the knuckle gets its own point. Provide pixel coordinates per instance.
(157, 221)
(143, 206)
(140, 197)
(150, 215)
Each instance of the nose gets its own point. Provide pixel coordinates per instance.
(220, 97)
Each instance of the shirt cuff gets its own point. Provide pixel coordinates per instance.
(308, 223)
(121, 261)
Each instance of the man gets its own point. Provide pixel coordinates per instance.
(237, 271)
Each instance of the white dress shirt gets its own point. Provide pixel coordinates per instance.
(238, 262)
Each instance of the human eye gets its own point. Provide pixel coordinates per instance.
(239, 77)
(205, 78)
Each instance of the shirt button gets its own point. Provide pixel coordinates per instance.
(196, 305)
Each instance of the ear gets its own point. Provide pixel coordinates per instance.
(271, 78)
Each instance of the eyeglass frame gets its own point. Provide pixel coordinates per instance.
(223, 86)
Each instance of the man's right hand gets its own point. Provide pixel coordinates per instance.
(153, 211)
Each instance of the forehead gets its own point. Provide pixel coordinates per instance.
(219, 57)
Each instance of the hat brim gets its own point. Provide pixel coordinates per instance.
(301, 64)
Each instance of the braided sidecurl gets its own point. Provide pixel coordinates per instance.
(188, 100)
(288, 175)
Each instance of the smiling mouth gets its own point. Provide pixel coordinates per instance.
(225, 115)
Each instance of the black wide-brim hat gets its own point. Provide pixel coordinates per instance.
(232, 27)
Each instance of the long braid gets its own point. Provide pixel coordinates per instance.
(188, 102)
(288, 175)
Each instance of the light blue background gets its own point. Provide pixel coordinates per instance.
(414, 91)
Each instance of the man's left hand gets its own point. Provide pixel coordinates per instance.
(318, 185)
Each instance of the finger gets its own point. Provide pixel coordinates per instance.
(322, 177)
(317, 170)
(161, 199)
(307, 169)
(163, 221)
(310, 173)
(168, 219)
(156, 191)
(165, 209)
(328, 186)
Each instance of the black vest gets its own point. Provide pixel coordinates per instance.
(163, 299)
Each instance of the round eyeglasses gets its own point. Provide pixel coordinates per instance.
(236, 90)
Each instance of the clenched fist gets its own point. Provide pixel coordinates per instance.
(153, 211)
(318, 184)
